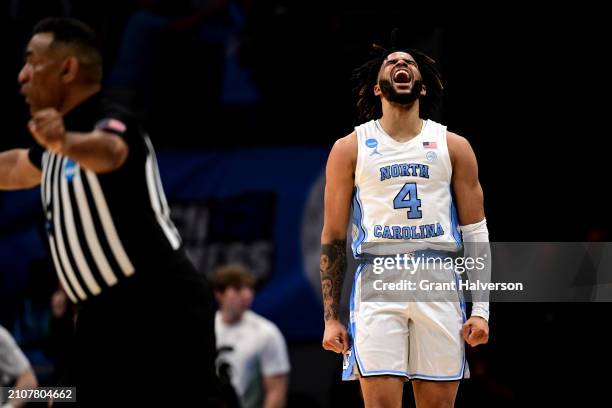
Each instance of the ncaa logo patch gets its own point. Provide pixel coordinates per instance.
(373, 144)
(431, 156)
(70, 169)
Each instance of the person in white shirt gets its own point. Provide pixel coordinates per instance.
(15, 369)
(251, 349)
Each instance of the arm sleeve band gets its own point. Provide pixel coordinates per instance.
(476, 246)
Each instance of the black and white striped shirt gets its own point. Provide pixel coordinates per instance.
(103, 228)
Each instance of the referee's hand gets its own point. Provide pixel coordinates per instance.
(47, 127)
(476, 331)
(335, 337)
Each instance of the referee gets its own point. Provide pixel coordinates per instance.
(145, 329)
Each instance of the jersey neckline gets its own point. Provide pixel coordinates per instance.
(395, 142)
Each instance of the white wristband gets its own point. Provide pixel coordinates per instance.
(480, 309)
(478, 233)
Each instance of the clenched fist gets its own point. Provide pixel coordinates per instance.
(476, 331)
(335, 337)
(47, 127)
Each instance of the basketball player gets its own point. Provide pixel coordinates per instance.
(400, 172)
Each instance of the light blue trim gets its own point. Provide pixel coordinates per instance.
(389, 372)
(416, 376)
(439, 378)
(348, 371)
(357, 274)
(358, 221)
(359, 362)
(463, 315)
(461, 298)
(454, 220)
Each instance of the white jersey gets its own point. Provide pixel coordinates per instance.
(402, 200)
(252, 348)
(13, 363)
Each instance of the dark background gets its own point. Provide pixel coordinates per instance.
(528, 87)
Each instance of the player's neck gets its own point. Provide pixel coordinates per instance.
(77, 96)
(401, 123)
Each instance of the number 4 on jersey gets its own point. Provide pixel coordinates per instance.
(407, 198)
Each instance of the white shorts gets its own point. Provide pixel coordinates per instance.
(415, 340)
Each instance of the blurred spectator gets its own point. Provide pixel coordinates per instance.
(171, 60)
(15, 369)
(60, 340)
(252, 351)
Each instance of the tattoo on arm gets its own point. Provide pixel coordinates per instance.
(333, 267)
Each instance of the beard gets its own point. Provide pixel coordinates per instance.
(393, 96)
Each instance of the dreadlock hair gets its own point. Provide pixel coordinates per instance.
(366, 76)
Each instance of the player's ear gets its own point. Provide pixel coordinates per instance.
(70, 69)
(377, 90)
(423, 90)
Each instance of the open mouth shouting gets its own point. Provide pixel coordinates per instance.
(402, 78)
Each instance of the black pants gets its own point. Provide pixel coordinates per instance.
(148, 340)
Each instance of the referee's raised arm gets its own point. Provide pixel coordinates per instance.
(98, 150)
